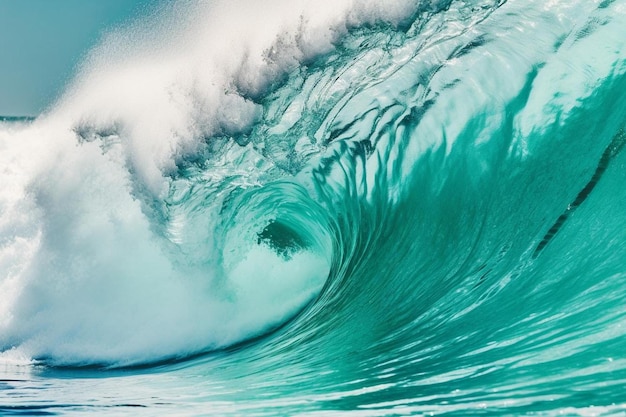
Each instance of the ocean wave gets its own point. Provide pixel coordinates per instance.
(405, 209)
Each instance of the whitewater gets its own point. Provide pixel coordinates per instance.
(324, 208)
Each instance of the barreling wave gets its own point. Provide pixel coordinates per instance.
(416, 204)
(143, 222)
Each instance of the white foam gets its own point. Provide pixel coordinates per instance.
(187, 75)
(84, 278)
(15, 358)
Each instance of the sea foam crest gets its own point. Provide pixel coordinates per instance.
(85, 276)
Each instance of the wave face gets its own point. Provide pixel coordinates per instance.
(337, 207)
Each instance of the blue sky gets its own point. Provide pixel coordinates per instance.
(42, 41)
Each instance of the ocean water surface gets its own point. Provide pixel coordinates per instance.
(324, 208)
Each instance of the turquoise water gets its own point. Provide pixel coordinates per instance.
(330, 209)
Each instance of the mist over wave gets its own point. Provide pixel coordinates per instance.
(395, 209)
